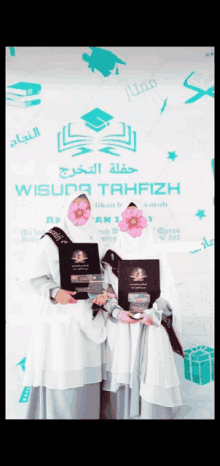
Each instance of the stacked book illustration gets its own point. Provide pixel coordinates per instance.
(23, 94)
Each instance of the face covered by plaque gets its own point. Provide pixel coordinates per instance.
(79, 262)
(80, 269)
(134, 224)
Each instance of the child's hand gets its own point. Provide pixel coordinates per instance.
(101, 299)
(125, 317)
(65, 297)
(146, 320)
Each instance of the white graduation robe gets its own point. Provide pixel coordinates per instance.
(65, 349)
(126, 344)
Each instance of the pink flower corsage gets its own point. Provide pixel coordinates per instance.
(133, 221)
(79, 213)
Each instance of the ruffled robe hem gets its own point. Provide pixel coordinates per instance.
(59, 380)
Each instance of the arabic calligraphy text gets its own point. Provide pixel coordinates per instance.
(142, 88)
(25, 139)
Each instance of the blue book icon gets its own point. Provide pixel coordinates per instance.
(16, 103)
(97, 119)
(24, 88)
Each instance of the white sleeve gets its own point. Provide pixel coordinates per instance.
(112, 306)
(156, 313)
(44, 286)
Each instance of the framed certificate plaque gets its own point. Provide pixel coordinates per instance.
(139, 284)
(80, 269)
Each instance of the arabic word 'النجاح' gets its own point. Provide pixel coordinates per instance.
(25, 138)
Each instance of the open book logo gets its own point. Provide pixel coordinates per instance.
(202, 89)
(103, 61)
(138, 274)
(97, 120)
(79, 256)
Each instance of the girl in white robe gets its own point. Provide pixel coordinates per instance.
(63, 364)
(140, 376)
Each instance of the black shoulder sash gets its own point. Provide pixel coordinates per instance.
(58, 236)
(167, 322)
(62, 240)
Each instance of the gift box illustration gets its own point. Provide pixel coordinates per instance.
(199, 364)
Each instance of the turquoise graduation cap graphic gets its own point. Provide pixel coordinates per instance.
(115, 135)
(103, 61)
(97, 119)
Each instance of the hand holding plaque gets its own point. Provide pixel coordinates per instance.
(139, 286)
(80, 269)
(125, 317)
(146, 320)
(138, 303)
(65, 297)
(102, 298)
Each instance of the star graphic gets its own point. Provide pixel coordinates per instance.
(172, 155)
(200, 214)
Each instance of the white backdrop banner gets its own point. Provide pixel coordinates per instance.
(111, 123)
